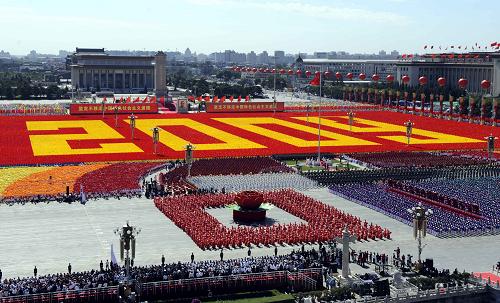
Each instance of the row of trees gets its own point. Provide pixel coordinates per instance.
(201, 86)
(19, 86)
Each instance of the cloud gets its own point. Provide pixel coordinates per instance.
(307, 9)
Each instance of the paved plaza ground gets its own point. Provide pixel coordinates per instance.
(51, 235)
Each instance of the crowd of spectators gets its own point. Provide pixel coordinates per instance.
(416, 159)
(112, 275)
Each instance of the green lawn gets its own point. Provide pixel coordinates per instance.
(269, 297)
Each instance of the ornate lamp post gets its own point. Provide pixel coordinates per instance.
(132, 123)
(103, 103)
(420, 217)
(351, 119)
(156, 138)
(127, 235)
(491, 145)
(189, 157)
(409, 129)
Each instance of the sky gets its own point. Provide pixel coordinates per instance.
(355, 26)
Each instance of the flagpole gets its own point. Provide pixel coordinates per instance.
(319, 115)
(274, 109)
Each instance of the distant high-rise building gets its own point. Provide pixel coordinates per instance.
(263, 58)
(382, 53)
(320, 55)
(394, 53)
(252, 58)
(279, 57)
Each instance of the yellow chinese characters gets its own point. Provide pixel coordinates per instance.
(57, 144)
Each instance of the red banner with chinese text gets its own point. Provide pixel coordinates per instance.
(96, 108)
(240, 107)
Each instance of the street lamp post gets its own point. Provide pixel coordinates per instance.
(116, 116)
(491, 145)
(351, 119)
(132, 123)
(127, 235)
(409, 128)
(420, 217)
(156, 138)
(189, 157)
(319, 114)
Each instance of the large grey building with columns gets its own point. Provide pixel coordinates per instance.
(92, 69)
(476, 67)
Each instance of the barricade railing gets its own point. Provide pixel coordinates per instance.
(93, 295)
(426, 295)
(299, 280)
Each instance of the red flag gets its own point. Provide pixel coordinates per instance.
(215, 99)
(223, 99)
(162, 100)
(199, 98)
(451, 56)
(191, 98)
(121, 99)
(315, 80)
(153, 100)
(231, 98)
(247, 98)
(410, 56)
(104, 99)
(239, 98)
(137, 100)
(129, 99)
(207, 99)
(403, 56)
(146, 99)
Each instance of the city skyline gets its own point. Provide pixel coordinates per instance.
(207, 26)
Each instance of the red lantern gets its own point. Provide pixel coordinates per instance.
(328, 74)
(298, 72)
(441, 81)
(290, 72)
(485, 84)
(422, 80)
(308, 73)
(405, 79)
(266, 70)
(375, 77)
(362, 76)
(282, 71)
(390, 78)
(316, 73)
(237, 69)
(254, 69)
(349, 76)
(273, 71)
(338, 75)
(462, 83)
